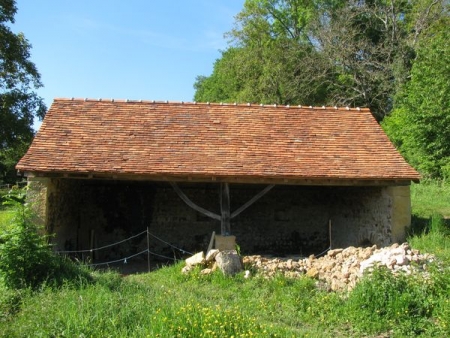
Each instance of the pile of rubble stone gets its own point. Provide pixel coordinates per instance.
(339, 269)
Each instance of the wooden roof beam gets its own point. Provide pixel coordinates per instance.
(218, 179)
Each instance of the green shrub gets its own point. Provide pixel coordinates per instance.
(10, 302)
(26, 258)
(400, 303)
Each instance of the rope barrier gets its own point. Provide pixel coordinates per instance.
(173, 246)
(323, 252)
(158, 255)
(119, 260)
(104, 247)
(122, 241)
(125, 259)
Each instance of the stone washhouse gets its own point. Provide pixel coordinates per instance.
(273, 179)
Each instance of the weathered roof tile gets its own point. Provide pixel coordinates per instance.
(158, 139)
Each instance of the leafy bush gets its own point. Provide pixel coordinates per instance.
(402, 304)
(26, 258)
(11, 302)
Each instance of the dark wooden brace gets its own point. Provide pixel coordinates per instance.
(225, 209)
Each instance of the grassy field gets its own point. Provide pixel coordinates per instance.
(6, 213)
(430, 198)
(166, 303)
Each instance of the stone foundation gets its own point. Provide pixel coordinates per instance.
(299, 220)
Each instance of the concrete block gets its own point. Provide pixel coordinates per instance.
(225, 242)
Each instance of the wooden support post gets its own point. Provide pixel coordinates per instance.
(251, 201)
(148, 250)
(225, 228)
(91, 246)
(329, 232)
(211, 242)
(192, 204)
(225, 208)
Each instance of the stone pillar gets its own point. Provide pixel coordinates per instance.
(400, 212)
(37, 196)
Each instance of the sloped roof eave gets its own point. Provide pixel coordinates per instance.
(243, 179)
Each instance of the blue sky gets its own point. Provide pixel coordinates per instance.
(124, 49)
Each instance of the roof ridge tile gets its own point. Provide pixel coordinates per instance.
(247, 104)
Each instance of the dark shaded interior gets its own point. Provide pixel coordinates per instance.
(288, 220)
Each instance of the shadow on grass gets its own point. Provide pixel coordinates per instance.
(419, 226)
(423, 225)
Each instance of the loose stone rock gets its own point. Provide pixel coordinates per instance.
(197, 259)
(334, 252)
(211, 255)
(229, 262)
(339, 269)
(313, 273)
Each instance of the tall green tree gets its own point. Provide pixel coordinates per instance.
(19, 103)
(371, 46)
(333, 52)
(224, 84)
(420, 123)
(274, 59)
(362, 42)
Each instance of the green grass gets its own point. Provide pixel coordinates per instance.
(430, 228)
(5, 217)
(6, 213)
(166, 303)
(433, 238)
(429, 198)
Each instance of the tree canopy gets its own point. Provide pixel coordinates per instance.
(19, 103)
(420, 122)
(271, 58)
(333, 52)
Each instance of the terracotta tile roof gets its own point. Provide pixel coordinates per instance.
(154, 140)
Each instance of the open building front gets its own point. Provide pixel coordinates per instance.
(282, 180)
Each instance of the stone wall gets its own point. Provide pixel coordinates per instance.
(37, 197)
(400, 211)
(287, 220)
